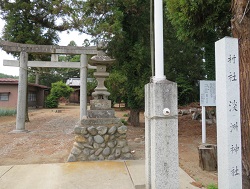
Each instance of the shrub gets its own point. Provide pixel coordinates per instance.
(58, 90)
(51, 102)
(7, 112)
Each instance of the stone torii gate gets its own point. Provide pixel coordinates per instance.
(23, 65)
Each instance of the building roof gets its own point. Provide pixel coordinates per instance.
(11, 81)
(73, 82)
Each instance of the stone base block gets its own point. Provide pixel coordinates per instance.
(101, 113)
(101, 121)
(100, 143)
(100, 104)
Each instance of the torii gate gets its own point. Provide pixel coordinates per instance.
(23, 65)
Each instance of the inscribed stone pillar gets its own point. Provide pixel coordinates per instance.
(228, 114)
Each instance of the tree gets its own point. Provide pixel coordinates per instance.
(125, 24)
(58, 90)
(8, 76)
(33, 22)
(116, 83)
(203, 23)
(183, 64)
(241, 30)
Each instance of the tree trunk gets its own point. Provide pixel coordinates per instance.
(208, 157)
(134, 118)
(241, 30)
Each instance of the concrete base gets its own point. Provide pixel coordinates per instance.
(19, 131)
(101, 113)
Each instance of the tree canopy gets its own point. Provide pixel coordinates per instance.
(202, 23)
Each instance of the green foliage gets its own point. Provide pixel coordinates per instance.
(8, 76)
(116, 84)
(51, 102)
(125, 115)
(201, 23)
(183, 64)
(90, 87)
(58, 90)
(124, 121)
(7, 112)
(212, 186)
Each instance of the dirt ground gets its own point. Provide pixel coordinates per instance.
(51, 138)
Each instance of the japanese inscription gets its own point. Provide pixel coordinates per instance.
(207, 93)
(233, 108)
(228, 114)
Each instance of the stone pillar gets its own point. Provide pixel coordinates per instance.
(161, 135)
(83, 86)
(148, 136)
(22, 89)
(228, 114)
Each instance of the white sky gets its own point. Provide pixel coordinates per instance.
(64, 41)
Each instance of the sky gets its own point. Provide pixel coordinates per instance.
(65, 38)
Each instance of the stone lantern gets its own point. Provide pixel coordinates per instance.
(100, 135)
(101, 61)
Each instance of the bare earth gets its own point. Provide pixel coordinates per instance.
(51, 138)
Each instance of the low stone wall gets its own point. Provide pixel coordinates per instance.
(100, 143)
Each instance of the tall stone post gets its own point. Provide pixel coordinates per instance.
(83, 86)
(22, 89)
(228, 114)
(161, 135)
(147, 114)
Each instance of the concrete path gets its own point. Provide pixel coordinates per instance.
(80, 175)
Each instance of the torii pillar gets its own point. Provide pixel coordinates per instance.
(22, 90)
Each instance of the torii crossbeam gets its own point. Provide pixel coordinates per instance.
(23, 65)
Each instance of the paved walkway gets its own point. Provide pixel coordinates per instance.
(80, 175)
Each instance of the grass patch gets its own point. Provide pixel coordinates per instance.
(7, 112)
(212, 186)
(124, 121)
(125, 115)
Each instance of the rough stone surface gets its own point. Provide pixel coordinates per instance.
(102, 130)
(100, 139)
(118, 152)
(92, 157)
(111, 144)
(84, 131)
(71, 158)
(90, 140)
(112, 130)
(86, 151)
(121, 143)
(77, 130)
(97, 153)
(76, 151)
(80, 138)
(92, 130)
(106, 151)
(111, 157)
(122, 130)
(125, 149)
